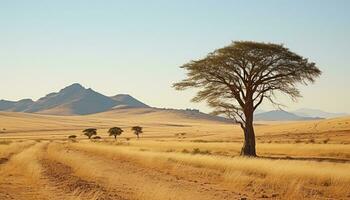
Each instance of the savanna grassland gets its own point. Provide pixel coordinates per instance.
(177, 157)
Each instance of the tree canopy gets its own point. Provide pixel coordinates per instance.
(89, 132)
(115, 131)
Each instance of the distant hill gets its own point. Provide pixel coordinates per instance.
(195, 114)
(15, 106)
(161, 114)
(71, 100)
(307, 112)
(281, 115)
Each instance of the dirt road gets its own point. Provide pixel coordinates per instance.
(115, 178)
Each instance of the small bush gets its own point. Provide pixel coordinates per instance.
(298, 141)
(97, 138)
(198, 151)
(142, 149)
(72, 137)
(5, 142)
(200, 141)
(326, 141)
(312, 140)
(185, 151)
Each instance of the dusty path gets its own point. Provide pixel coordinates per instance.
(62, 177)
(139, 179)
(14, 184)
(61, 171)
(22, 177)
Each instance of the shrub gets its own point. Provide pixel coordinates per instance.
(200, 141)
(298, 141)
(326, 141)
(5, 142)
(185, 151)
(72, 137)
(198, 151)
(96, 138)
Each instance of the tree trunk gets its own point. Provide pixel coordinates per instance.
(138, 136)
(248, 148)
(115, 137)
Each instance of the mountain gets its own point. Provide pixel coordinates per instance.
(77, 100)
(71, 100)
(128, 101)
(15, 106)
(281, 115)
(74, 99)
(307, 112)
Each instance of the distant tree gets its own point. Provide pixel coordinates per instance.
(137, 131)
(90, 132)
(115, 131)
(236, 79)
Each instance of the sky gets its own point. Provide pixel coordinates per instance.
(137, 47)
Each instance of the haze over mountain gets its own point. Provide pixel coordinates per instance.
(308, 112)
(281, 115)
(128, 101)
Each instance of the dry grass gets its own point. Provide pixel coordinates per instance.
(105, 174)
(233, 148)
(81, 166)
(168, 125)
(331, 179)
(25, 166)
(13, 147)
(178, 157)
(26, 162)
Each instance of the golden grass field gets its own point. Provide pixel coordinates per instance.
(177, 157)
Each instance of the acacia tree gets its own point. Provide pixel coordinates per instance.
(115, 131)
(90, 132)
(236, 79)
(137, 130)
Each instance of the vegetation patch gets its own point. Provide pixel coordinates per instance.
(5, 142)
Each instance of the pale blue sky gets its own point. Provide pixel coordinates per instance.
(136, 47)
